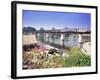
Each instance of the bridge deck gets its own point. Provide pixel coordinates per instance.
(65, 32)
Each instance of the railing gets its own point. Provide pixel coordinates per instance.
(74, 32)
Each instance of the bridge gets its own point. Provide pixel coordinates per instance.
(83, 36)
(64, 31)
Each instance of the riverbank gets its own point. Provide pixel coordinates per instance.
(29, 39)
(87, 48)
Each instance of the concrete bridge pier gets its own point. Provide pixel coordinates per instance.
(47, 37)
(62, 39)
(37, 36)
(80, 40)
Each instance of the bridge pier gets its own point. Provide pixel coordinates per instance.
(37, 35)
(62, 39)
(80, 40)
(47, 37)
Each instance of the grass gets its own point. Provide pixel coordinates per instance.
(77, 58)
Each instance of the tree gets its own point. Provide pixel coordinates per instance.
(29, 29)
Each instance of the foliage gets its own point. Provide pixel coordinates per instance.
(77, 58)
(29, 29)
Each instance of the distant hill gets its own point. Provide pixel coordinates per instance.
(29, 30)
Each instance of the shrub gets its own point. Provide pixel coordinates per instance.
(77, 58)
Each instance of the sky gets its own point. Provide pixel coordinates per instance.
(57, 20)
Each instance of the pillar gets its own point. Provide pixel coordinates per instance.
(38, 34)
(47, 37)
(62, 39)
(80, 40)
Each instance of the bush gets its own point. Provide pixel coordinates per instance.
(77, 58)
